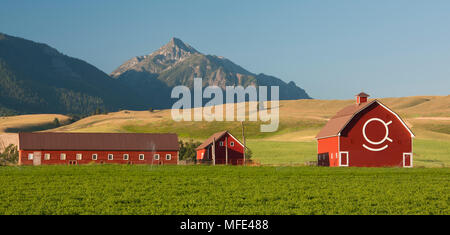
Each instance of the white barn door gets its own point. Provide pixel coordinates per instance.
(37, 158)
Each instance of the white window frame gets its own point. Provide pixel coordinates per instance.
(62, 156)
(94, 156)
(221, 143)
(168, 156)
(156, 156)
(232, 143)
(141, 157)
(110, 156)
(127, 156)
(410, 159)
(348, 157)
(79, 156)
(46, 156)
(30, 156)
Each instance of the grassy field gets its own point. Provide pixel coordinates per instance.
(427, 153)
(283, 152)
(123, 189)
(31, 122)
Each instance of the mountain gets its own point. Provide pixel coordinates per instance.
(160, 60)
(36, 78)
(178, 63)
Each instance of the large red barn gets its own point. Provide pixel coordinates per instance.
(43, 148)
(221, 148)
(365, 134)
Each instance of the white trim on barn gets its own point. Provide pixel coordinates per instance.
(410, 160)
(348, 157)
(236, 139)
(385, 107)
(398, 117)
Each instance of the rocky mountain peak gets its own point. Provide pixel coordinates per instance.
(176, 42)
(178, 63)
(175, 49)
(156, 62)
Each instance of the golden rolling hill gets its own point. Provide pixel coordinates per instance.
(300, 121)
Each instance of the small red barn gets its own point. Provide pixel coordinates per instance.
(42, 148)
(221, 148)
(365, 134)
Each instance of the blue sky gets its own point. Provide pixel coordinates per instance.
(333, 49)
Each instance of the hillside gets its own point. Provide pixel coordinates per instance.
(9, 126)
(36, 78)
(296, 117)
(300, 121)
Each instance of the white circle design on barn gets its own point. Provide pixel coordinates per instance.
(386, 137)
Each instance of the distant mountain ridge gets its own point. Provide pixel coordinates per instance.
(178, 63)
(36, 78)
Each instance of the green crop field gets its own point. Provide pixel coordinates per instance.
(132, 189)
(283, 152)
(427, 153)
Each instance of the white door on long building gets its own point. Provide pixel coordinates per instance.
(37, 158)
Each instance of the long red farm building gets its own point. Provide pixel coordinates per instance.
(365, 134)
(43, 148)
(221, 148)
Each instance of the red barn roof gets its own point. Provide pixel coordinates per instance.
(98, 141)
(215, 136)
(337, 123)
(362, 94)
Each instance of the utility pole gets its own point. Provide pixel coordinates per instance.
(226, 150)
(214, 151)
(243, 139)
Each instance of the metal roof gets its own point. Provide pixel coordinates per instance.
(362, 94)
(98, 141)
(337, 123)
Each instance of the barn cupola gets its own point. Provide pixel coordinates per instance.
(361, 98)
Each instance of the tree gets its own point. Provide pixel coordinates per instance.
(187, 149)
(74, 117)
(10, 155)
(56, 122)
